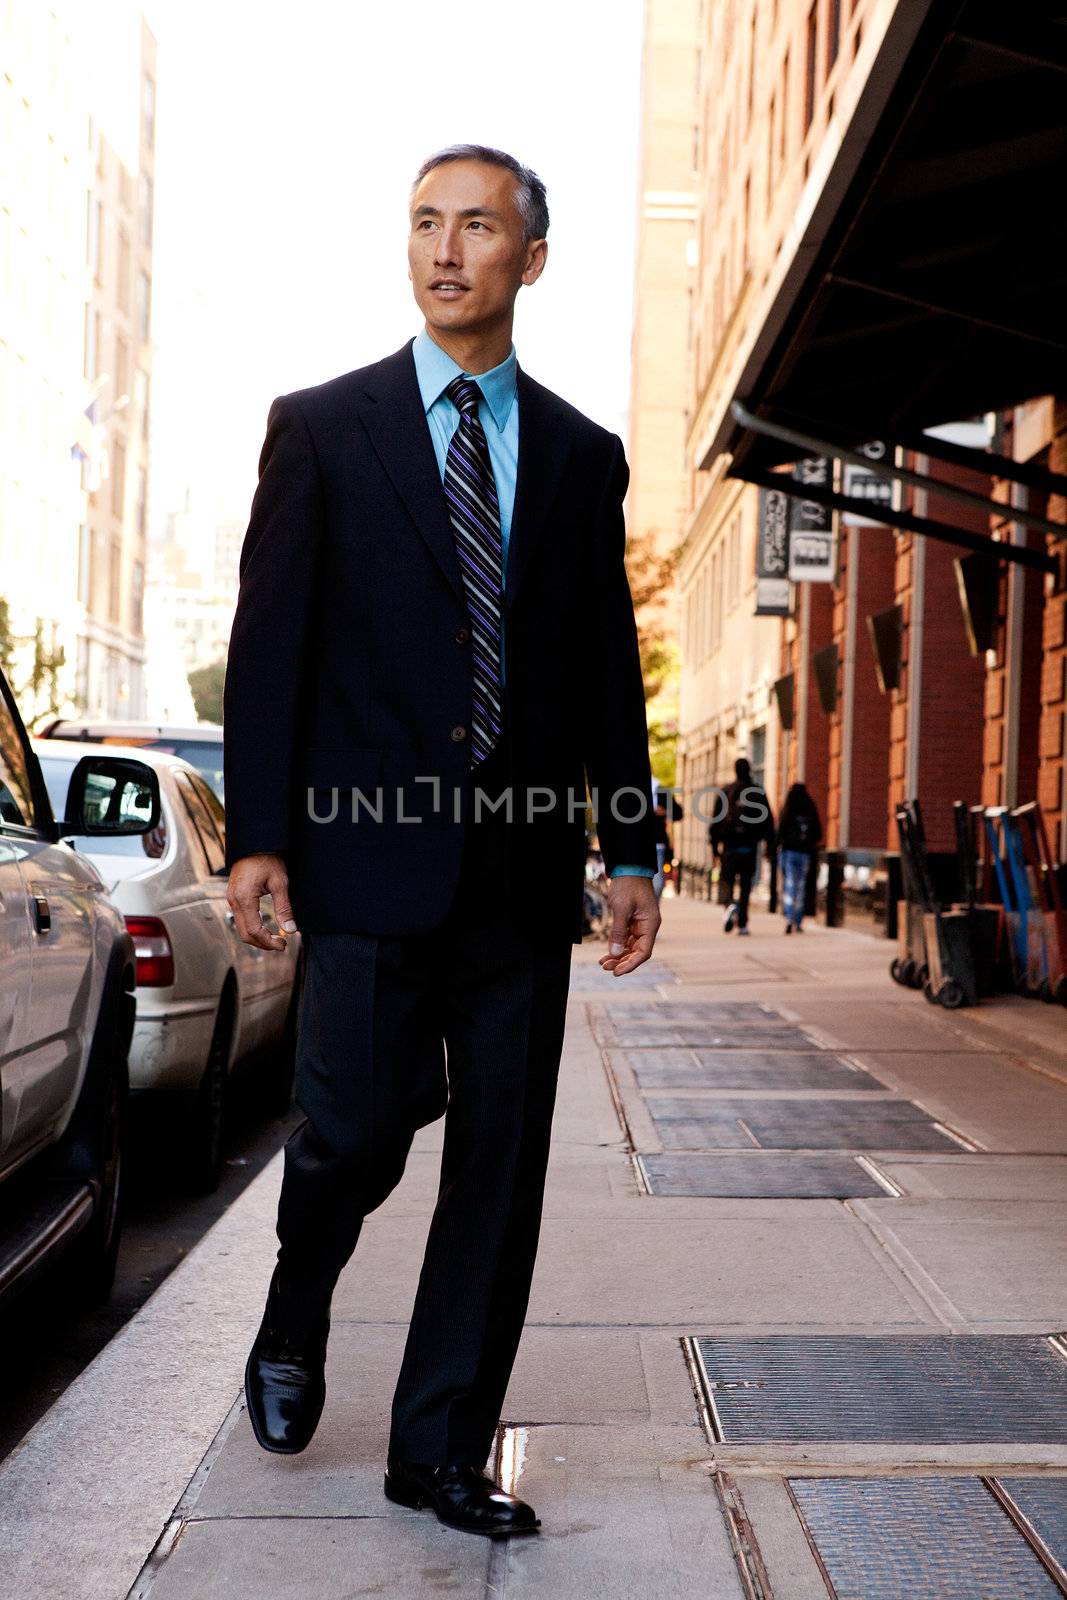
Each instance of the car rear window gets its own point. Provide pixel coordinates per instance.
(205, 756)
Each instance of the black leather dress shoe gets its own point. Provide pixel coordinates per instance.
(285, 1380)
(463, 1497)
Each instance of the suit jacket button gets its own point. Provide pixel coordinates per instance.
(458, 734)
(462, 635)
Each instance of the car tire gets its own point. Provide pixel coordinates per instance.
(281, 1072)
(207, 1131)
(92, 1148)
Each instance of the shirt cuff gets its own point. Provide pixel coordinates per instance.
(633, 872)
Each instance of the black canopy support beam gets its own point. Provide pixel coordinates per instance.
(1026, 473)
(812, 446)
(905, 521)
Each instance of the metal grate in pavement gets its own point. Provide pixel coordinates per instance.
(1043, 1502)
(744, 1069)
(711, 1130)
(713, 1036)
(901, 1389)
(935, 1538)
(782, 1124)
(696, 1012)
(589, 978)
(762, 1175)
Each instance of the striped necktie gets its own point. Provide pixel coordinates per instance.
(475, 515)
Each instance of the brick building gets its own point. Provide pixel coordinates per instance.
(875, 184)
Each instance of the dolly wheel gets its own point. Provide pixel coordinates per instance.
(950, 994)
(895, 970)
(928, 991)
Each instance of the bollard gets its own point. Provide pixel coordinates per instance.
(835, 884)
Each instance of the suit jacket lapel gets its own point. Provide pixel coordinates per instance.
(544, 445)
(394, 418)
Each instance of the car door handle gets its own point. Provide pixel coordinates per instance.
(41, 913)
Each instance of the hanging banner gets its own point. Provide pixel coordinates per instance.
(772, 554)
(862, 484)
(812, 546)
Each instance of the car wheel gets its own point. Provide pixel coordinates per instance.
(208, 1119)
(281, 1070)
(92, 1147)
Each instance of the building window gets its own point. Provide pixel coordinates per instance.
(757, 755)
(771, 134)
(783, 126)
(144, 206)
(144, 306)
(833, 32)
(810, 66)
(140, 400)
(81, 679)
(121, 385)
(142, 501)
(85, 563)
(92, 342)
(118, 478)
(122, 284)
(94, 242)
(114, 579)
(137, 597)
(745, 224)
(148, 113)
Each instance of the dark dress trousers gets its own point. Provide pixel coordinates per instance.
(438, 951)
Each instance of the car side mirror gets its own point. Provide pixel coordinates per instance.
(111, 795)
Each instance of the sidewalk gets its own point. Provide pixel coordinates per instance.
(819, 1343)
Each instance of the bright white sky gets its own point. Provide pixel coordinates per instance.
(288, 135)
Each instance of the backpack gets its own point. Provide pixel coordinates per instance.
(803, 827)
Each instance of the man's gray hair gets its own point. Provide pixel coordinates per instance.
(531, 197)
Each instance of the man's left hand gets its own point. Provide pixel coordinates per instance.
(635, 921)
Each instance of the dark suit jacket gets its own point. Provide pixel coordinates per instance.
(350, 660)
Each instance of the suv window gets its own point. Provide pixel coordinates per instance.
(16, 793)
(200, 816)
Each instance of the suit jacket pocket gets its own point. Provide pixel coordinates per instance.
(343, 767)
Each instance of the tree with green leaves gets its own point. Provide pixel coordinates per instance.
(206, 685)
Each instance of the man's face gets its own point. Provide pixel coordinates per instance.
(466, 256)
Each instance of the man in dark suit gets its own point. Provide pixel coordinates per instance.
(434, 648)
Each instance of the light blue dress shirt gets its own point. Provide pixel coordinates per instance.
(498, 411)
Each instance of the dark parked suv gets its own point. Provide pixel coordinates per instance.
(67, 973)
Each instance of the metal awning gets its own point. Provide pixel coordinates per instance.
(930, 284)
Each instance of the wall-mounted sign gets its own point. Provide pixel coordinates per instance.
(862, 484)
(772, 554)
(812, 546)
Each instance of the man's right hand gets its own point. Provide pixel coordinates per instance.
(250, 879)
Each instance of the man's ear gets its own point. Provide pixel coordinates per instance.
(536, 256)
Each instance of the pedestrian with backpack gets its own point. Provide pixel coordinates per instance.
(735, 837)
(799, 833)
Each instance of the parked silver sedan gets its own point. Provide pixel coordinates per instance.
(205, 999)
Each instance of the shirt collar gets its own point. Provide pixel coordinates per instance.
(435, 370)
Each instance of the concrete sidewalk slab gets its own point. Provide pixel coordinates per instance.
(150, 1449)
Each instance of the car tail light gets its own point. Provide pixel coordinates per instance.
(152, 947)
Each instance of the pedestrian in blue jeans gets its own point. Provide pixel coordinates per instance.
(799, 833)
